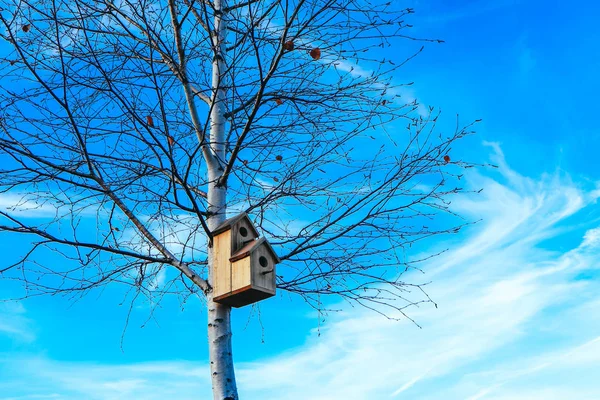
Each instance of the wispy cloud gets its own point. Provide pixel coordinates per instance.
(405, 93)
(26, 205)
(14, 323)
(39, 376)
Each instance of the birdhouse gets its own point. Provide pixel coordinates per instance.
(244, 266)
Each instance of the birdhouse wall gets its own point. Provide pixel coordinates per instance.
(242, 232)
(263, 271)
(221, 279)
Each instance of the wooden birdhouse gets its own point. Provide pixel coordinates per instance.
(244, 266)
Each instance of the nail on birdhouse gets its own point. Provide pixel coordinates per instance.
(244, 266)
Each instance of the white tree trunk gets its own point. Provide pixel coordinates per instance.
(219, 322)
(219, 316)
(221, 357)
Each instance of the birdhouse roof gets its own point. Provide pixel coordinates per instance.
(251, 246)
(228, 223)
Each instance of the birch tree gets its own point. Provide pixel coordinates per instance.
(139, 125)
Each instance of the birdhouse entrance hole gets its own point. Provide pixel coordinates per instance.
(263, 261)
(243, 231)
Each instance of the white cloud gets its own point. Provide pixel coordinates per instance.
(26, 205)
(591, 238)
(14, 323)
(40, 377)
(404, 93)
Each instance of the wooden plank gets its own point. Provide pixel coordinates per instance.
(240, 274)
(221, 279)
(243, 297)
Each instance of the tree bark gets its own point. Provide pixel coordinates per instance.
(221, 357)
(219, 316)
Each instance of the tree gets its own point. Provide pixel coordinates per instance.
(149, 120)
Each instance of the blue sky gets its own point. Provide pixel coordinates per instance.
(517, 294)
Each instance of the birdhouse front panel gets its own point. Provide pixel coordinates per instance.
(221, 279)
(241, 274)
(242, 233)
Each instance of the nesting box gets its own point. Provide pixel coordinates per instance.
(244, 266)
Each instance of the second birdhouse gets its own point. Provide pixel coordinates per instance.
(244, 266)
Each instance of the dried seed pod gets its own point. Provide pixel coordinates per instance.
(315, 53)
(289, 45)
